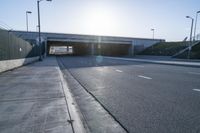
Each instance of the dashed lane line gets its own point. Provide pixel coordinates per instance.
(117, 70)
(196, 90)
(145, 77)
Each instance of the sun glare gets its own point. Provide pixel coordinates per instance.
(100, 22)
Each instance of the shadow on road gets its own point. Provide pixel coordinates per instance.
(93, 61)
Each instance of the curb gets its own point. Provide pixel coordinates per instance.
(75, 120)
(177, 63)
(95, 117)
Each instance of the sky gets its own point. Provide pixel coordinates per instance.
(127, 18)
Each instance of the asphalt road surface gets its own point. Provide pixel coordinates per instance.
(143, 97)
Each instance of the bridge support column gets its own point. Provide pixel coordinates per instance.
(131, 49)
(45, 48)
(92, 49)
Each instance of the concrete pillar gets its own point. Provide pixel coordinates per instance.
(45, 48)
(92, 49)
(131, 49)
(67, 49)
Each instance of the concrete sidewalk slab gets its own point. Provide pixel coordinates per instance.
(32, 100)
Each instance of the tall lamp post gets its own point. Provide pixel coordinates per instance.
(190, 44)
(195, 26)
(38, 7)
(27, 12)
(153, 32)
(153, 38)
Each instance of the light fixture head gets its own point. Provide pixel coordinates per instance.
(28, 12)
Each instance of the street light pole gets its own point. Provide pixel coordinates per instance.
(189, 51)
(27, 12)
(40, 52)
(153, 32)
(39, 34)
(195, 26)
(153, 38)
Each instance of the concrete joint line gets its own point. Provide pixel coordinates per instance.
(30, 99)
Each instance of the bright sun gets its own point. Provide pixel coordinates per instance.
(100, 22)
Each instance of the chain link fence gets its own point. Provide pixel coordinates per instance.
(13, 47)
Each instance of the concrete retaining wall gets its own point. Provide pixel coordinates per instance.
(11, 64)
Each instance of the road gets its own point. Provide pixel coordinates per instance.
(143, 97)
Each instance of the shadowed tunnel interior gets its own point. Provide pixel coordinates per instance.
(93, 48)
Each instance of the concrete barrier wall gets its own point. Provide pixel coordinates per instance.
(15, 51)
(14, 47)
(6, 65)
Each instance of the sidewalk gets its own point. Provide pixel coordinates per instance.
(165, 58)
(32, 100)
(160, 60)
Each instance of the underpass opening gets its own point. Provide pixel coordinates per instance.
(61, 50)
(82, 48)
(67, 48)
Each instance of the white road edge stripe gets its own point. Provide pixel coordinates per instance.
(118, 70)
(196, 90)
(145, 77)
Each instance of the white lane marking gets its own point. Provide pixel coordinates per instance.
(196, 90)
(145, 77)
(118, 71)
(195, 73)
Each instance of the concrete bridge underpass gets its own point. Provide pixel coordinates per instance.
(75, 44)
